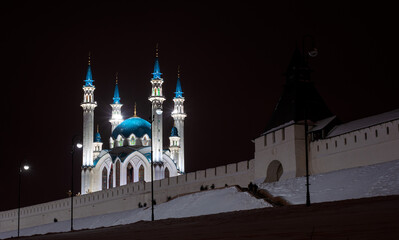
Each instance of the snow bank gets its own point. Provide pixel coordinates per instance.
(369, 181)
(201, 203)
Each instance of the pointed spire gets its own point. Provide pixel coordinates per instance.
(116, 97)
(98, 136)
(179, 92)
(89, 76)
(135, 110)
(157, 71)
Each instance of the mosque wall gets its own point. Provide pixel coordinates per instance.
(129, 196)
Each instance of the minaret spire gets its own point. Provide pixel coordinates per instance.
(157, 98)
(179, 115)
(116, 106)
(88, 104)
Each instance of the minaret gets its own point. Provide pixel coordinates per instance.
(174, 144)
(97, 145)
(88, 106)
(156, 100)
(116, 106)
(179, 115)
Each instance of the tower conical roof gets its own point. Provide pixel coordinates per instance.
(299, 94)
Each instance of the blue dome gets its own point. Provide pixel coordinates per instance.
(135, 125)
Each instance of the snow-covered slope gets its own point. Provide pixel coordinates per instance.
(369, 181)
(201, 203)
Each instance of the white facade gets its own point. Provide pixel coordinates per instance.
(131, 148)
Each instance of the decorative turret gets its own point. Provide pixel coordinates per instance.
(98, 145)
(174, 144)
(88, 106)
(179, 115)
(156, 100)
(116, 106)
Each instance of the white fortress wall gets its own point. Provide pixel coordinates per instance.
(371, 145)
(128, 196)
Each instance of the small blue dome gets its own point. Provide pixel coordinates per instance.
(174, 132)
(97, 137)
(135, 125)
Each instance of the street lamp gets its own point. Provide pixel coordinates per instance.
(75, 144)
(159, 112)
(311, 53)
(21, 168)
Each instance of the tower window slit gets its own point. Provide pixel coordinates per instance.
(387, 130)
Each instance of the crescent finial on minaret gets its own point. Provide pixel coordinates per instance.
(89, 58)
(116, 78)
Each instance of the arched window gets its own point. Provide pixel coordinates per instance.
(104, 178)
(132, 141)
(110, 178)
(167, 174)
(118, 173)
(141, 173)
(129, 173)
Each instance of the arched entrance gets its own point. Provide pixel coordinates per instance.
(104, 179)
(274, 171)
(129, 173)
(167, 174)
(141, 173)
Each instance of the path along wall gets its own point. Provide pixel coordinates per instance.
(128, 197)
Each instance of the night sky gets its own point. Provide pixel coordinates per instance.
(233, 56)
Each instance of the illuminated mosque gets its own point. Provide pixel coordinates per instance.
(134, 142)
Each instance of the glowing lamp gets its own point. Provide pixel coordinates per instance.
(79, 145)
(26, 167)
(158, 111)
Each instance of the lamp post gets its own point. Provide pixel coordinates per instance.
(75, 144)
(311, 53)
(159, 112)
(152, 172)
(20, 169)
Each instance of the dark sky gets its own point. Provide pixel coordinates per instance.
(232, 54)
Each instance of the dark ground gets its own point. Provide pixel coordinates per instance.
(369, 218)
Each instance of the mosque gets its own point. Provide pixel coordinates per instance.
(134, 142)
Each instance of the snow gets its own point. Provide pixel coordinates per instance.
(368, 181)
(201, 203)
